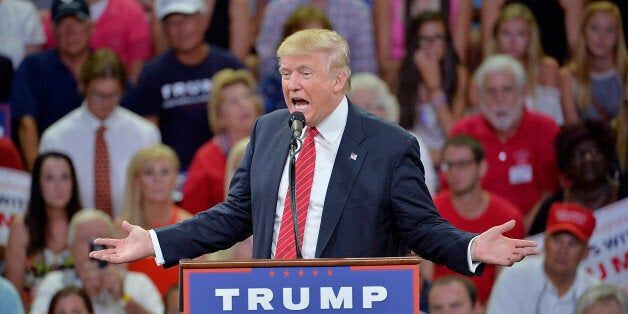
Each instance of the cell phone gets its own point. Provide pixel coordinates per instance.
(97, 247)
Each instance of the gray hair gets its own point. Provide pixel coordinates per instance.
(605, 293)
(85, 215)
(371, 82)
(500, 62)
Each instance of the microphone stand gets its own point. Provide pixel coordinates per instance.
(295, 147)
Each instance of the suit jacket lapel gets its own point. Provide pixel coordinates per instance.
(344, 173)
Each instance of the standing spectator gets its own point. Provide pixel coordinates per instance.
(585, 153)
(37, 242)
(553, 282)
(174, 88)
(518, 142)
(110, 288)
(232, 110)
(469, 207)
(151, 179)
(591, 84)
(432, 84)
(71, 300)
(370, 93)
(351, 18)
(516, 33)
(45, 86)
(453, 294)
(229, 26)
(121, 26)
(22, 32)
(100, 136)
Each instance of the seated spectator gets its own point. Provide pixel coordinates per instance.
(37, 242)
(71, 300)
(100, 136)
(516, 33)
(10, 298)
(45, 86)
(518, 142)
(305, 17)
(351, 18)
(585, 153)
(121, 26)
(591, 84)
(232, 110)
(371, 94)
(469, 207)
(553, 282)
(151, 179)
(22, 32)
(602, 298)
(110, 288)
(173, 89)
(432, 84)
(453, 294)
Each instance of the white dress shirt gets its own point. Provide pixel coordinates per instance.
(74, 135)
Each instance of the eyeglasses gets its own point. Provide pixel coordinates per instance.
(99, 98)
(446, 166)
(423, 40)
(580, 154)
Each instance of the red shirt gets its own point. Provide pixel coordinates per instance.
(205, 184)
(523, 167)
(9, 155)
(497, 212)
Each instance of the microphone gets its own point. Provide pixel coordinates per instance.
(296, 122)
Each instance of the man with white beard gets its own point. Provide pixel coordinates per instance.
(519, 143)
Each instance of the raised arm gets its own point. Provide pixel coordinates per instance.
(136, 245)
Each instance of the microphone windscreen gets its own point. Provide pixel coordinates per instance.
(296, 116)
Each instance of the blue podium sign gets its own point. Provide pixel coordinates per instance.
(303, 286)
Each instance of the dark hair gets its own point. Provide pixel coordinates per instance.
(468, 141)
(409, 77)
(71, 290)
(36, 217)
(104, 63)
(588, 130)
(468, 285)
(304, 15)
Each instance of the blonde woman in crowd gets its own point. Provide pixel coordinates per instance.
(591, 84)
(232, 110)
(37, 242)
(151, 180)
(516, 33)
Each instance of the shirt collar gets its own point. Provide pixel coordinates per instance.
(94, 121)
(332, 127)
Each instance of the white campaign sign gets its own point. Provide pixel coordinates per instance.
(14, 192)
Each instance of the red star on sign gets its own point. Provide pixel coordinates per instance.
(315, 272)
(301, 272)
(330, 272)
(286, 273)
(271, 273)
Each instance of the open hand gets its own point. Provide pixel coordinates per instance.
(492, 247)
(135, 246)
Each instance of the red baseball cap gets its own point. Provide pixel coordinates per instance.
(571, 217)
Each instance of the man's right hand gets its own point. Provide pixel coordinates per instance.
(136, 245)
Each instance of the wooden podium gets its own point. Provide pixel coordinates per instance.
(351, 285)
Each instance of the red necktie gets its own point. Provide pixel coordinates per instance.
(102, 186)
(304, 170)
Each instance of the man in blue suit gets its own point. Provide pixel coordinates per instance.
(368, 196)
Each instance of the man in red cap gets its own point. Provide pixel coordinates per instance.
(553, 282)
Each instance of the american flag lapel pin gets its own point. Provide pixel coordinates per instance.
(353, 156)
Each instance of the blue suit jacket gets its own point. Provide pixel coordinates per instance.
(376, 205)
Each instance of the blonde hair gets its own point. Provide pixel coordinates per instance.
(131, 208)
(579, 64)
(534, 53)
(85, 215)
(307, 41)
(220, 81)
